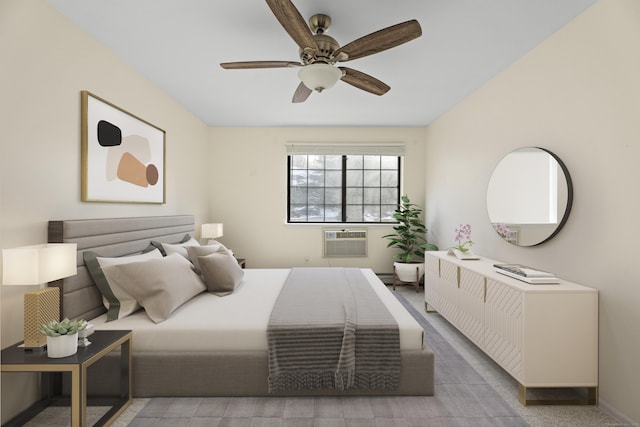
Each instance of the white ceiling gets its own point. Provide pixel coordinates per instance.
(178, 44)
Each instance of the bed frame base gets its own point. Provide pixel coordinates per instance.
(235, 374)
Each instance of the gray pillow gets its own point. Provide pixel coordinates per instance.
(197, 251)
(221, 272)
(158, 245)
(159, 285)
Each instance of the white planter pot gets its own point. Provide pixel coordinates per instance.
(406, 272)
(62, 346)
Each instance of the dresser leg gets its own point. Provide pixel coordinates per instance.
(427, 310)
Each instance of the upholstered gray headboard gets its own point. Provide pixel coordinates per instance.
(79, 296)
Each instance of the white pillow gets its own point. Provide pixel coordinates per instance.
(159, 285)
(124, 303)
(179, 248)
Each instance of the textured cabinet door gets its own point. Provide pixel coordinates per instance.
(448, 290)
(503, 326)
(470, 306)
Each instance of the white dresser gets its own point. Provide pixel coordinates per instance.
(545, 336)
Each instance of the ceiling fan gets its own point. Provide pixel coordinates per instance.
(319, 52)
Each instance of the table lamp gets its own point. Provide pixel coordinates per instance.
(37, 265)
(212, 231)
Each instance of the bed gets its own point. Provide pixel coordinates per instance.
(226, 352)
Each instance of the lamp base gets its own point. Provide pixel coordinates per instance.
(41, 306)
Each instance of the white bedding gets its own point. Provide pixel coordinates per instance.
(238, 322)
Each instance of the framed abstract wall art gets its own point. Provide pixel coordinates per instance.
(123, 156)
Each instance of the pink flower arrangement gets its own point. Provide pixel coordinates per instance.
(501, 229)
(463, 238)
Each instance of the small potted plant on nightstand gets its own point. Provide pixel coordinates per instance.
(62, 337)
(410, 238)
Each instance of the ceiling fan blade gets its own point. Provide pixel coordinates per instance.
(290, 18)
(380, 41)
(301, 94)
(258, 64)
(363, 81)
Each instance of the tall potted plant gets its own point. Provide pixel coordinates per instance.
(410, 237)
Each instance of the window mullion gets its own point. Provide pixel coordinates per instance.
(344, 188)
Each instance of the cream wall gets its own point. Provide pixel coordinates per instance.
(46, 62)
(578, 95)
(248, 193)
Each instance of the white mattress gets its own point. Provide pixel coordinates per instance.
(237, 322)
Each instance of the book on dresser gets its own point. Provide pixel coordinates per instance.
(527, 274)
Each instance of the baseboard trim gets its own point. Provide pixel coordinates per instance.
(615, 413)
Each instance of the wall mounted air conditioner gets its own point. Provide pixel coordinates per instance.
(343, 243)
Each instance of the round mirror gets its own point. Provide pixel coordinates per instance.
(529, 196)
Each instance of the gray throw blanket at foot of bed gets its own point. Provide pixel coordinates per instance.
(330, 330)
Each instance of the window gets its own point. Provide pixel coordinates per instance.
(342, 188)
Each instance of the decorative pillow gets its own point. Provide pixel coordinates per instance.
(116, 300)
(215, 242)
(194, 252)
(179, 248)
(221, 272)
(158, 245)
(159, 285)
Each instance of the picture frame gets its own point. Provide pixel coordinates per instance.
(123, 156)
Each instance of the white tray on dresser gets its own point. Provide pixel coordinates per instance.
(544, 336)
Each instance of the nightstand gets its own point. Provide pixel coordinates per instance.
(16, 359)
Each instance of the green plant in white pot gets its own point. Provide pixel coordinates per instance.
(410, 237)
(62, 337)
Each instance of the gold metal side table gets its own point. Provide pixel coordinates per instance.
(16, 359)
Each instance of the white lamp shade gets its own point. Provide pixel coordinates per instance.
(211, 231)
(319, 76)
(38, 264)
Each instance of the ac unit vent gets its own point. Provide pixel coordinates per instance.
(344, 243)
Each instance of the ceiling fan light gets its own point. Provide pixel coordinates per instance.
(319, 76)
